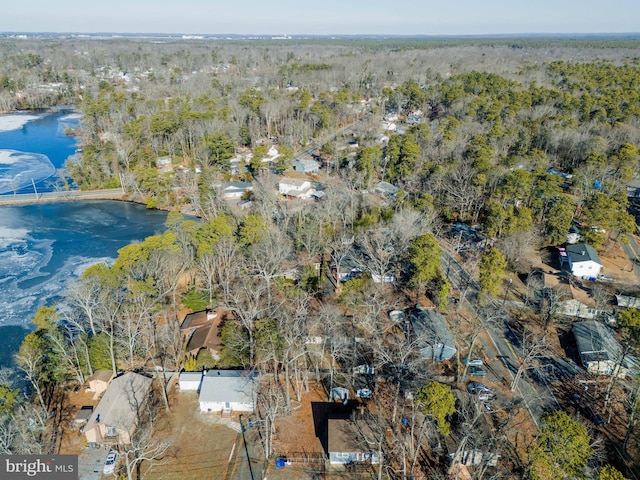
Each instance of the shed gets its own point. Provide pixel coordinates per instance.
(435, 340)
(99, 381)
(599, 350)
(190, 381)
(83, 415)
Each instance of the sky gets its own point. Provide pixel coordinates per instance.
(322, 17)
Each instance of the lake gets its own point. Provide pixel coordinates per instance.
(44, 247)
(33, 149)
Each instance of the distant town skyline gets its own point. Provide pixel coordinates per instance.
(351, 17)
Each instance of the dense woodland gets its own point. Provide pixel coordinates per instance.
(517, 138)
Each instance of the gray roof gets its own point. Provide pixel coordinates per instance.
(306, 165)
(121, 402)
(238, 386)
(237, 186)
(581, 252)
(596, 342)
(296, 182)
(386, 188)
(432, 328)
(626, 301)
(190, 376)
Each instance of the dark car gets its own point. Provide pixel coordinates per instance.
(476, 372)
(476, 387)
(593, 416)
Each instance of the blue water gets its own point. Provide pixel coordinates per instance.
(45, 136)
(45, 247)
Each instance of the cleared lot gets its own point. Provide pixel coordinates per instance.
(202, 443)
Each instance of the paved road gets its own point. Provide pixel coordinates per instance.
(503, 344)
(66, 196)
(632, 251)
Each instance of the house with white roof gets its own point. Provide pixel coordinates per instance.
(228, 391)
(295, 188)
(235, 190)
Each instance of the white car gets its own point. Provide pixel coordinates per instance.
(110, 462)
(473, 362)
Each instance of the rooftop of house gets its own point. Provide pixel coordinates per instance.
(581, 252)
(191, 376)
(101, 375)
(199, 319)
(386, 188)
(626, 301)
(237, 186)
(596, 342)
(238, 386)
(342, 435)
(432, 326)
(203, 329)
(295, 182)
(120, 404)
(307, 161)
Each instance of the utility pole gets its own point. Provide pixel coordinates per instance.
(507, 291)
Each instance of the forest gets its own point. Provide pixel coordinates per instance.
(515, 139)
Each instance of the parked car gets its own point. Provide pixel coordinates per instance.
(476, 372)
(477, 388)
(593, 416)
(110, 462)
(364, 393)
(473, 362)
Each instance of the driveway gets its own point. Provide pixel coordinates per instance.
(91, 462)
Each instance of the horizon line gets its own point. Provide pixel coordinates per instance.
(291, 35)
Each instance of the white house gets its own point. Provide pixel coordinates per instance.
(190, 381)
(295, 188)
(235, 190)
(582, 260)
(228, 391)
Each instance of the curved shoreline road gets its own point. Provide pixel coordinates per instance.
(65, 196)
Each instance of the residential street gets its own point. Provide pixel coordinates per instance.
(632, 250)
(502, 343)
